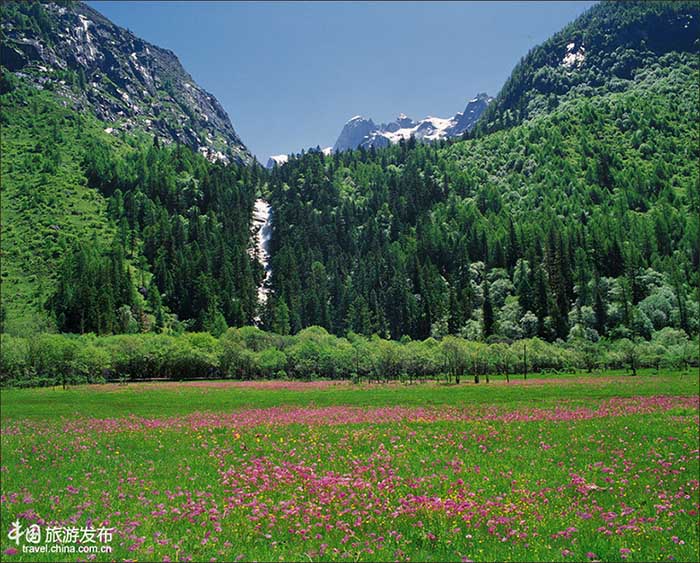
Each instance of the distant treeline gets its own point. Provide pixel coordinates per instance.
(250, 353)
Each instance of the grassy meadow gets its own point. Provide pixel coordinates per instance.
(601, 467)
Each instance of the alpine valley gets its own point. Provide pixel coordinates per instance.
(564, 208)
(459, 339)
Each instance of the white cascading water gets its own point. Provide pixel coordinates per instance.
(262, 229)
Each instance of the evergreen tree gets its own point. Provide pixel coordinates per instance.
(487, 312)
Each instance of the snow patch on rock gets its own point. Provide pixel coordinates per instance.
(573, 57)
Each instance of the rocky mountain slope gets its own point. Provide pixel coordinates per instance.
(126, 82)
(363, 132)
(80, 100)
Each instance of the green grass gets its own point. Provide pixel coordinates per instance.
(171, 399)
(202, 487)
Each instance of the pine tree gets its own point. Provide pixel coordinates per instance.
(280, 318)
(599, 308)
(487, 312)
(156, 306)
(541, 303)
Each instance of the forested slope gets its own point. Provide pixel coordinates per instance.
(46, 202)
(99, 233)
(581, 221)
(600, 52)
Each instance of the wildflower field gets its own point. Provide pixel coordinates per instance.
(568, 468)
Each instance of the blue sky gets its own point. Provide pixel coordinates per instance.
(290, 74)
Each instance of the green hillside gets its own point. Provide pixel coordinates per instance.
(47, 204)
(97, 125)
(602, 51)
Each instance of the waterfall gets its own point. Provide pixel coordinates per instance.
(262, 231)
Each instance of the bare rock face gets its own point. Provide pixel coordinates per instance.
(126, 82)
(466, 120)
(355, 133)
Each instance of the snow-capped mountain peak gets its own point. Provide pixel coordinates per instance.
(360, 131)
(354, 132)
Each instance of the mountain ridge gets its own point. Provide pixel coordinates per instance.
(602, 50)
